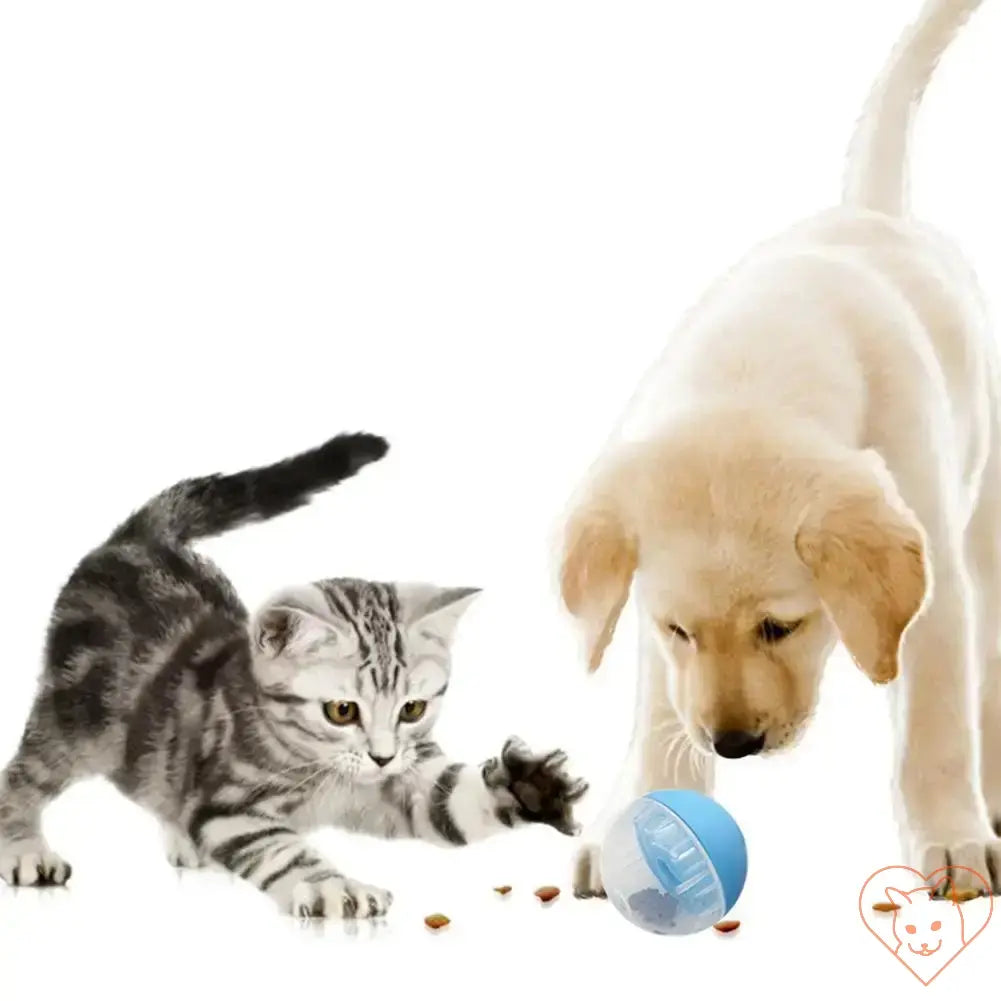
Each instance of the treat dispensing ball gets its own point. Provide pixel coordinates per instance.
(674, 862)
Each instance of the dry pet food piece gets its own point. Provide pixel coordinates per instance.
(726, 926)
(957, 896)
(884, 906)
(436, 921)
(502, 890)
(547, 893)
(962, 896)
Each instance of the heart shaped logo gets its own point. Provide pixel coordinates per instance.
(925, 932)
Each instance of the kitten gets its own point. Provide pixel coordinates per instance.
(239, 733)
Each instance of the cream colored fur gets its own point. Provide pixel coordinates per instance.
(817, 445)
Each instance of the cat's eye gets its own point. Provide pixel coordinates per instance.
(341, 713)
(910, 929)
(935, 925)
(675, 630)
(773, 631)
(413, 711)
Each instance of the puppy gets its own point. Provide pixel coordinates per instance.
(815, 457)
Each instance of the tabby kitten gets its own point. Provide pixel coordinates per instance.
(240, 733)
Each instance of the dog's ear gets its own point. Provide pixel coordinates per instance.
(599, 560)
(866, 554)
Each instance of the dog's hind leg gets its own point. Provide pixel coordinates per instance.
(661, 756)
(983, 549)
(936, 700)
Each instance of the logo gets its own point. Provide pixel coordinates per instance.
(925, 922)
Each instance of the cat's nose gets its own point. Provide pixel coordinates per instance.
(737, 743)
(379, 760)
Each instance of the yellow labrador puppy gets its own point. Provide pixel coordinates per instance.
(816, 456)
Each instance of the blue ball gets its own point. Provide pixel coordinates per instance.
(674, 862)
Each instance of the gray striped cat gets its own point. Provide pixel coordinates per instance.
(239, 733)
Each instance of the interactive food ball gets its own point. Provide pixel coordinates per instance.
(674, 862)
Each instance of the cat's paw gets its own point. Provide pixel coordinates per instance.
(180, 850)
(336, 897)
(31, 863)
(541, 790)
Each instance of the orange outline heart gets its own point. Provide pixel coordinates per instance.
(926, 881)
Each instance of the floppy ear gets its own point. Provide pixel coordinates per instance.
(866, 555)
(437, 609)
(599, 560)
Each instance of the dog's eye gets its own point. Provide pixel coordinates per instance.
(675, 629)
(772, 631)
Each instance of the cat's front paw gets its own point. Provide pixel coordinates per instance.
(33, 863)
(180, 850)
(336, 897)
(541, 790)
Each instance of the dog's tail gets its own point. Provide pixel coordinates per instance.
(876, 177)
(211, 505)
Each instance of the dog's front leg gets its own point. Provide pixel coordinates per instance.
(940, 801)
(661, 756)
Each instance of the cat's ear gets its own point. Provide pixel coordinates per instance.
(295, 621)
(436, 609)
(280, 629)
(898, 897)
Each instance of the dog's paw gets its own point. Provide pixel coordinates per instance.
(541, 790)
(587, 872)
(31, 863)
(960, 860)
(336, 897)
(992, 793)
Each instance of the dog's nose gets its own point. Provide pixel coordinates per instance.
(381, 762)
(737, 743)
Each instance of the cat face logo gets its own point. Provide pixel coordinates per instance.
(930, 926)
(921, 926)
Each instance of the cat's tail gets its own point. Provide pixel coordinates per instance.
(876, 177)
(211, 505)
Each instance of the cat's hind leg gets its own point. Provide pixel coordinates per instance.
(40, 770)
(71, 733)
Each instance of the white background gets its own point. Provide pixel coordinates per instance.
(228, 230)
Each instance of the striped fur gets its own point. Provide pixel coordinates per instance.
(157, 678)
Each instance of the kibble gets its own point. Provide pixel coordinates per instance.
(884, 906)
(436, 921)
(547, 894)
(962, 896)
(726, 926)
(502, 890)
